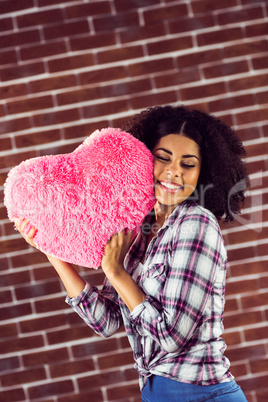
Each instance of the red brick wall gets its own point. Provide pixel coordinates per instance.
(68, 67)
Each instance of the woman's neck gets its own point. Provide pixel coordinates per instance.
(162, 212)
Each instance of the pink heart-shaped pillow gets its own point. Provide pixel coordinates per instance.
(77, 201)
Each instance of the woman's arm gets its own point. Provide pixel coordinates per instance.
(71, 280)
(112, 265)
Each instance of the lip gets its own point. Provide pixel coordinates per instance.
(170, 190)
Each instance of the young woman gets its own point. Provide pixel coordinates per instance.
(167, 285)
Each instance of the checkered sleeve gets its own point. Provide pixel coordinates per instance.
(172, 318)
(99, 310)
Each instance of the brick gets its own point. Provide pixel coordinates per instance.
(262, 250)
(70, 63)
(242, 319)
(102, 75)
(48, 84)
(262, 396)
(121, 5)
(30, 104)
(231, 305)
(257, 29)
(31, 258)
(199, 58)
(262, 97)
(245, 353)
(4, 265)
(219, 36)
(241, 253)
(76, 367)
(20, 38)
(8, 330)
(126, 391)
(44, 3)
(112, 22)
(15, 278)
(191, 24)
(48, 357)
(40, 289)
(179, 77)
(45, 273)
(256, 333)
(104, 380)
(239, 287)
(83, 130)
(89, 9)
(67, 29)
(231, 103)
(5, 296)
(239, 370)
(70, 334)
(7, 6)
(122, 53)
(93, 41)
(16, 244)
(248, 82)
(38, 138)
(141, 33)
(224, 69)
(259, 63)
(170, 45)
(207, 6)
(247, 133)
(39, 324)
(164, 13)
(151, 66)
(9, 363)
(92, 395)
(77, 96)
(41, 51)
(6, 24)
(22, 377)
(15, 394)
(243, 14)
(26, 70)
(19, 344)
(11, 91)
(51, 389)
(252, 116)
(8, 57)
(253, 383)
(244, 49)
(63, 116)
(202, 91)
(154, 99)
(107, 108)
(126, 88)
(61, 149)
(44, 306)
(233, 338)
(5, 143)
(118, 359)
(96, 347)
(39, 18)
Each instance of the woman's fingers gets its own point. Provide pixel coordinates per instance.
(21, 226)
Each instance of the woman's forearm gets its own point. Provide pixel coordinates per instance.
(71, 280)
(131, 294)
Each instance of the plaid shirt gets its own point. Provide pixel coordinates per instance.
(176, 331)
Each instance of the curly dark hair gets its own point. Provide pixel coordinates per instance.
(223, 178)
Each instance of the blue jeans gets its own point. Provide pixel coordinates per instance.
(161, 389)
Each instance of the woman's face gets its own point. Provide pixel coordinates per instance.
(177, 165)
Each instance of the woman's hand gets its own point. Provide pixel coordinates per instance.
(21, 225)
(115, 252)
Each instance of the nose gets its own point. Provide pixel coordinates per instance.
(174, 170)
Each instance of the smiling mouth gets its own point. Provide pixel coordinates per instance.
(170, 186)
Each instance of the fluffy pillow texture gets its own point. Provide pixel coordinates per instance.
(77, 201)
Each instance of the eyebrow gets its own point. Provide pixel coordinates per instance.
(170, 153)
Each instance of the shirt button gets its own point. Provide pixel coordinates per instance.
(159, 319)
